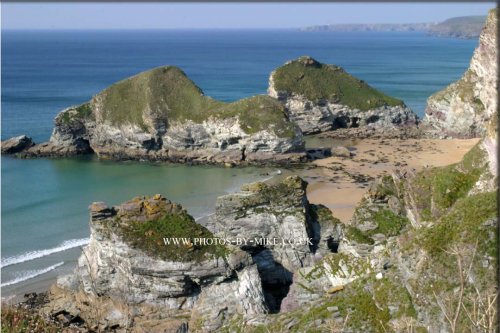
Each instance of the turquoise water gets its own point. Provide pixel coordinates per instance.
(44, 202)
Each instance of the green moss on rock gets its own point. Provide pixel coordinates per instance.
(464, 89)
(357, 236)
(316, 81)
(148, 236)
(81, 112)
(323, 215)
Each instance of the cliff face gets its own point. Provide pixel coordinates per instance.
(467, 107)
(303, 232)
(130, 276)
(321, 97)
(420, 246)
(162, 115)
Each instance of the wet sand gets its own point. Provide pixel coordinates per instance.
(339, 183)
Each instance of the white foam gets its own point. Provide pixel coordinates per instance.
(31, 274)
(27, 256)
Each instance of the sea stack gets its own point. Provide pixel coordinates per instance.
(320, 97)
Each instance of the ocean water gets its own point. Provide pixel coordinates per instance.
(44, 202)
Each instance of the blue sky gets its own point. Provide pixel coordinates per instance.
(223, 15)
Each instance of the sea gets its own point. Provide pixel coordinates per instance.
(44, 202)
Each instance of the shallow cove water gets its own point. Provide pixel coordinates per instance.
(44, 202)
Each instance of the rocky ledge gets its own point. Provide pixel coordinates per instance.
(320, 97)
(467, 108)
(161, 115)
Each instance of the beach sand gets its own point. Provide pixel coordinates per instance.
(339, 183)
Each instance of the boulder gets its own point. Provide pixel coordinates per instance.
(17, 144)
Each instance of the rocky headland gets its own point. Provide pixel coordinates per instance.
(129, 279)
(161, 115)
(466, 27)
(320, 97)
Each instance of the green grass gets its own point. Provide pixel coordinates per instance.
(464, 223)
(439, 188)
(170, 96)
(148, 237)
(328, 82)
(388, 223)
(358, 236)
(83, 111)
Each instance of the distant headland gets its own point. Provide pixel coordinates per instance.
(466, 27)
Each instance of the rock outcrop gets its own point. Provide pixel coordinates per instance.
(435, 226)
(467, 108)
(320, 97)
(161, 115)
(133, 278)
(130, 278)
(17, 144)
(282, 231)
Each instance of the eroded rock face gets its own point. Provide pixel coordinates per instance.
(16, 144)
(467, 107)
(161, 115)
(130, 280)
(298, 233)
(317, 98)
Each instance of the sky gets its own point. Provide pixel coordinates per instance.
(224, 15)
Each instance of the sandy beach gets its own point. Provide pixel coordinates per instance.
(340, 182)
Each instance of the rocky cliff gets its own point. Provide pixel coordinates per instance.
(130, 278)
(437, 226)
(320, 97)
(419, 255)
(281, 212)
(162, 115)
(467, 107)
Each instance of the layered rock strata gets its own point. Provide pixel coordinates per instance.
(161, 115)
(298, 233)
(129, 276)
(320, 97)
(467, 108)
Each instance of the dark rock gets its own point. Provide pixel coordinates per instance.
(17, 144)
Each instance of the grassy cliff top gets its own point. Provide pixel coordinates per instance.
(316, 81)
(167, 94)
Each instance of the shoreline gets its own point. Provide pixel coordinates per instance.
(339, 183)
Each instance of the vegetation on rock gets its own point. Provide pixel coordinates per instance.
(316, 81)
(149, 237)
(168, 95)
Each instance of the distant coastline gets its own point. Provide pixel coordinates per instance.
(466, 27)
